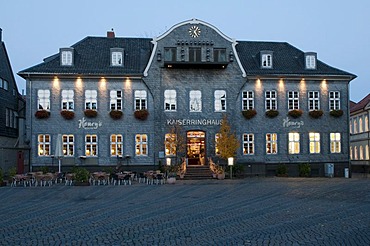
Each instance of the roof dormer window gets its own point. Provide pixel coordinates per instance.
(116, 57)
(66, 56)
(266, 59)
(310, 60)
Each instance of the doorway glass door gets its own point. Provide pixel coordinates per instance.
(196, 147)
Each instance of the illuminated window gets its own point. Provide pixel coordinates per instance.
(335, 146)
(43, 144)
(170, 100)
(91, 145)
(314, 142)
(313, 100)
(270, 100)
(367, 152)
(43, 99)
(361, 152)
(116, 100)
(116, 145)
(294, 143)
(355, 153)
(116, 57)
(170, 144)
(140, 99)
(68, 145)
(334, 100)
(220, 101)
(360, 129)
(141, 144)
(350, 153)
(217, 150)
(67, 100)
(355, 126)
(271, 143)
(195, 101)
(248, 144)
(248, 100)
(293, 100)
(91, 99)
(366, 123)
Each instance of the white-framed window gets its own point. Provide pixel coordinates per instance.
(117, 58)
(140, 99)
(335, 142)
(367, 152)
(170, 100)
(366, 123)
(248, 100)
(360, 129)
(115, 100)
(170, 144)
(11, 118)
(266, 60)
(91, 100)
(355, 126)
(313, 100)
(5, 85)
(310, 62)
(334, 100)
(271, 143)
(43, 144)
(294, 143)
(220, 100)
(293, 100)
(248, 144)
(270, 100)
(355, 153)
(141, 141)
(116, 145)
(68, 144)
(195, 101)
(67, 100)
(43, 99)
(91, 145)
(217, 150)
(314, 138)
(66, 57)
(361, 152)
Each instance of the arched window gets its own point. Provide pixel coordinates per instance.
(355, 126)
(361, 152)
(366, 123)
(367, 152)
(355, 154)
(360, 128)
(350, 153)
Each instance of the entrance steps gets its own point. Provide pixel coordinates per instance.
(197, 172)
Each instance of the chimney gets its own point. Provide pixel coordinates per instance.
(110, 34)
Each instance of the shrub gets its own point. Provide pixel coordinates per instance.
(42, 114)
(316, 113)
(249, 113)
(282, 170)
(81, 174)
(141, 114)
(116, 114)
(68, 115)
(272, 113)
(295, 113)
(304, 170)
(90, 113)
(336, 113)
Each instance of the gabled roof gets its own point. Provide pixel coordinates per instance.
(6, 71)
(92, 57)
(361, 105)
(287, 60)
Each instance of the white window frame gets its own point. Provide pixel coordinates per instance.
(314, 138)
(116, 145)
(335, 142)
(91, 101)
(361, 152)
(141, 144)
(355, 153)
(313, 100)
(170, 100)
(68, 144)
(220, 100)
(248, 144)
(67, 100)
(293, 100)
(266, 60)
(334, 100)
(310, 62)
(360, 124)
(271, 143)
(140, 100)
(170, 144)
(117, 58)
(247, 100)
(91, 145)
(43, 145)
(294, 143)
(195, 101)
(271, 100)
(66, 58)
(43, 100)
(116, 100)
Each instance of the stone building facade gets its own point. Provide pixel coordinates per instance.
(189, 77)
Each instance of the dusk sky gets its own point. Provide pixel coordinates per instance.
(337, 30)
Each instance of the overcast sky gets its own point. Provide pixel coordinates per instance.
(337, 30)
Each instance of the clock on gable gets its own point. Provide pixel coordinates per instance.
(194, 31)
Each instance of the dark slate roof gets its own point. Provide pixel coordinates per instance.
(92, 57)
(361, 104)
(6, 71)
(287, 60)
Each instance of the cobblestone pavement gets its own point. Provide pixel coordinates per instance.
(252, 211)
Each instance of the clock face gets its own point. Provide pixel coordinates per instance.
(194, 31)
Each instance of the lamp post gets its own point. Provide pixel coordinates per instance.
(230, 162)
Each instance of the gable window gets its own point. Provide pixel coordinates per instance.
(170, 144)
(43, 145)
(293, 143)
(219, 55)
(248, 100)
(310, 59)
(141, 144)
(220, 101)
(43, 99)
(334, 100)
(116, 145)
(67, 100)
(116, 56)
(335, 143)
(68, 145)
(313, 100)
(170, 54)
(271, 143)
(195, 54)
(266, 59)
(116, 100)
(5, 85)
(293, 100)
(140, 99)
(91, 99)
(314, 142)
(248, 144)
(195, 101)
(170, 100)
(66, 56)
(11, 118)
(270, 100)
(91, 145)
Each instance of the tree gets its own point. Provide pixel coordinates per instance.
(227, 142)
(175, 142)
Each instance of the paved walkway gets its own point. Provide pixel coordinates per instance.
(252, 211)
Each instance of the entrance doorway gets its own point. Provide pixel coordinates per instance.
(196, 147)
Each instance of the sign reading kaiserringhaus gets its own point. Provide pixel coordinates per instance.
(192, 122)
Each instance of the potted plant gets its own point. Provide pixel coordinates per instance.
(272, 113)
(67, 114)
(249, 113)
(282, 170)
(141, 114)
(42, 114)
(81, 176)
(172, 173)
(304, 170)
(295, 113)
(116, 114)
(336, 113)
(220, 173)
(90, 113)
(316, 113)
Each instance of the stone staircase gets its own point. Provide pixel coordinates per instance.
(197, 172)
